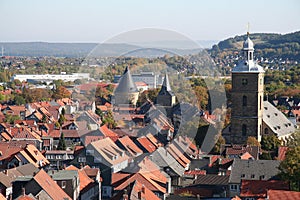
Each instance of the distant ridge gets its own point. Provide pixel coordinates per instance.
(286, 46)
(36, 49)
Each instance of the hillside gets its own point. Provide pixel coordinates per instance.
(286, 46)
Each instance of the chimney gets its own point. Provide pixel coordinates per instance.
(125, 195)
(23, 191)
(143, 188)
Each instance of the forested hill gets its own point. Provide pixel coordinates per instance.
(268, 45)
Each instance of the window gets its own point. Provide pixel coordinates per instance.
(250, 56)
(244, 81)
(261, 81)
(260, 102)
(82, 159)
(261, 177)
(233, 187)
(244, 100)
(89, 152)
(252, 176)
(244, 129)
(243, 176)
(63, 184)
(266, 131)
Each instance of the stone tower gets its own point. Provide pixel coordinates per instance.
(126, 91)
(165, 96)
(247, 97)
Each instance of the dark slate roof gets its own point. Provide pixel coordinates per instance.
(126, 84)
(211, 179)
(253, 170)
(166, 88)
(202, 164)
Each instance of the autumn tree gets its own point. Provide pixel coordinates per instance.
(221, 141)
(290, 167)
(252, 141)
(61, 92)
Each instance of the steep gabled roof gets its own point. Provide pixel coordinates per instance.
(140, 191)
(49, 186)
(130, 146)
(276, 120)
(110, 152)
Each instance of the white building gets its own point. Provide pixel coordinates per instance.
(50, 77)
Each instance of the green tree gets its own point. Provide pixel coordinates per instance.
(62, 143)
(290, 168)
(270, 143)
(11, 118)
(108, 119)
(19, 100)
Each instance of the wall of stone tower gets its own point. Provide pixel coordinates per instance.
(166, 100)
(126, 98)
(247, 106)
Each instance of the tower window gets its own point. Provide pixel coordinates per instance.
(250, 56)
(260, 102)
(244, 129)
(244, 81)
(244, 100)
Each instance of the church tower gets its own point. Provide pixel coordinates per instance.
(165, 96)
(247, 97)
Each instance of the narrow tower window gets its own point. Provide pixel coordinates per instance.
(244, 129)
(244, 100)
(260, 102)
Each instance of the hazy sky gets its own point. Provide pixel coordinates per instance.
(96, 21)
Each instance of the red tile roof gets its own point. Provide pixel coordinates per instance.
(130, 146)
(282, 194)
(195, 172)
(49, 186)
(139, 191)
(258, 188)
(108, 133)
(92, 138)
(146, 144)
(84, 179)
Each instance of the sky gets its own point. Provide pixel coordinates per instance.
(97, 21)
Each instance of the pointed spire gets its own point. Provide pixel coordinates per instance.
(126, 83)
(126, 70)
(165, 88)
